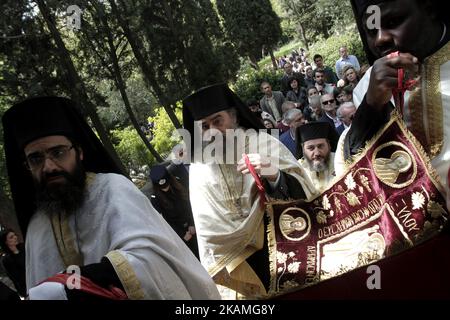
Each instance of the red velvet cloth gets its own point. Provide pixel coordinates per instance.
(421, 273)
(362, 218)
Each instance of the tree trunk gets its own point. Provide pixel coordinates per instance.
(253, 62)
(78, 89)
(303, 35)
(120, 83)
(274, 60)
(143, 63)
(8, 218)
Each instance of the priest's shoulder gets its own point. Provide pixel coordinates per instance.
(112, 180)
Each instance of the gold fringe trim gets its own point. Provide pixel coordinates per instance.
(395, 117)
(126, 275)
(350, 163)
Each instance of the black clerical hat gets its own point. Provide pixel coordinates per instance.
(215, 98)
(36, 118)
(39, 117)
(212, 99)
(316, 130)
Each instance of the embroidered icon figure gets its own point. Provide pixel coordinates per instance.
(354, 250)
(388, 170)
(294, 228)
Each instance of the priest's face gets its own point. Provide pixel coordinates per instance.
(406, 26)
(317, 154)
(222, 121)
(57, 171)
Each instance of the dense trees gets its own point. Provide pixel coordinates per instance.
(135, 59)
(312, 19)
(252, 26)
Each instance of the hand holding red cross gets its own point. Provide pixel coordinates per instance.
(391, 75)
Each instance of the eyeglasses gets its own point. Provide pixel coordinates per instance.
(328, 102)
(57, 154)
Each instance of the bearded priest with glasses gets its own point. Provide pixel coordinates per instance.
(79, 214)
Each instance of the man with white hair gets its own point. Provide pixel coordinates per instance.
(293, 118)
(345, 113)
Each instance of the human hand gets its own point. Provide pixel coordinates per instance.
(263, 166)
(191, 230)
(187, 236)
(48, 291)
(384, 77)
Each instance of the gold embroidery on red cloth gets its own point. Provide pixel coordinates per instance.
(299, 226)
(362, 217)
(399, 161)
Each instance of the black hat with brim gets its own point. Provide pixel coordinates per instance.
(316, 130)
(212, 99)
(37, 118)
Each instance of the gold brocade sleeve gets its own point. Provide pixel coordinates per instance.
(126, 275)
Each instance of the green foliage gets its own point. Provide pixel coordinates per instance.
(284, 50)
(115, 116)
(163, 130)
(184, 43)
(318, 18)
(132, 151)
(247, 87)
(252, 25)
(329, 48)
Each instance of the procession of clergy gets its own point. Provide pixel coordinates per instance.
(79, 213)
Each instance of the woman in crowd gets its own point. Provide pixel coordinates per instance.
(14, 260)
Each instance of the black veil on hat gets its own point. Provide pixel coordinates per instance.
(211, 99)
(36, 118)
(215, 98)
(315, 130)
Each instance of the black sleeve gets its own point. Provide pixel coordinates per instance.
(288, 188)
(365, 125)
(16, 274)
(102, 274)
(7, 294)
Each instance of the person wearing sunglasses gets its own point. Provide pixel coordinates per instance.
(329, 106)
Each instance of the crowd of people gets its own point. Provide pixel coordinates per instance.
(202, 234)
(314, 93)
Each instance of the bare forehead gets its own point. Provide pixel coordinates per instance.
(45, 143)
(215, 115)
(315, 142)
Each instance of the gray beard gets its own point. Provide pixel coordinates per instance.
(62, 197)
(318, 166)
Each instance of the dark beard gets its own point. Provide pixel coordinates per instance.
(61, 197)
